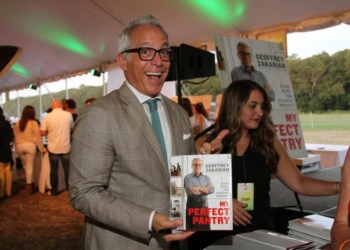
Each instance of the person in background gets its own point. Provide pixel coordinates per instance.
(72, 108)
(244, 129)
(6, 138)
(57, 126)
(119, 169)
(89, 101)
(27, 140)
(198, 186)
(48, 110)
(246, 71)
(197, 120)
(340, 232)
(64, 104)
(200, 109)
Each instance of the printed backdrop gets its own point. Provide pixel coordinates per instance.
(267, 57)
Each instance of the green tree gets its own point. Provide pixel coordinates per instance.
(321, 82)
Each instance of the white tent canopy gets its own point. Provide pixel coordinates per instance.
(64, 38)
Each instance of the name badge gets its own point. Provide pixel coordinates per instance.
(245, 194)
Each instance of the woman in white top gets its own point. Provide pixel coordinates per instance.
(27, 139)
(198, 121)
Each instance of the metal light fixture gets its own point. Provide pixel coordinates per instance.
(32, 86)
(96, 72)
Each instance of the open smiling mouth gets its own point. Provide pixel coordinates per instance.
(156, 74)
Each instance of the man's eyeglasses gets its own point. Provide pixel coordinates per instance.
(196, 165)
(147, 54)
(243, 53)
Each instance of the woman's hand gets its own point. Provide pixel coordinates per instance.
(215, 145)
(240, 216)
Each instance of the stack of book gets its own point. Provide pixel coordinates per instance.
(314, 227)
(267, 240)
(309, 163)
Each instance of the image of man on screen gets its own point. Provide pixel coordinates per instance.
(198, 186)
(246, 71)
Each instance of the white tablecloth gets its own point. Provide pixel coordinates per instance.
(44, 176)
(42, 173)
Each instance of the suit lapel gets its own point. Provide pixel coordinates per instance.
(137, 113)
(174, 125)
(179, 129)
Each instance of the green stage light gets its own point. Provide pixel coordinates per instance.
(223, 12)
(55, 31)
(20, 70)
(68, 41)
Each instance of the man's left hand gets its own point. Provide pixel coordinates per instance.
(161, 223)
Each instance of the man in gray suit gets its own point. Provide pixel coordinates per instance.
(119, 176)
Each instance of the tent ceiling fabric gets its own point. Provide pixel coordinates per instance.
(65, 38)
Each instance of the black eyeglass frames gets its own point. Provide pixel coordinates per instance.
(243, 53)
(147, 54)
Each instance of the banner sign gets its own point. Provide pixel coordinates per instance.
(264, 62)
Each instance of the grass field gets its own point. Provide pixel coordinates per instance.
(326, 128)
(325, 121)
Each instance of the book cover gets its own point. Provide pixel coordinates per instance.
(314, 224)
(201, 191)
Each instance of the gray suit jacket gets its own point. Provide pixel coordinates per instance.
(117, 172)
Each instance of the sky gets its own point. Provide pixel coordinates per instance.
(330, 40)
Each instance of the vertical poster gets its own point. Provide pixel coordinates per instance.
(269, 64)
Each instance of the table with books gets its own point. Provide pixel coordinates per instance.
(308, 232)
(312, 227)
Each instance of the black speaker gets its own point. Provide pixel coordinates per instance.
(190, 62)
(8, 55)
(196, 63)
(173, 74)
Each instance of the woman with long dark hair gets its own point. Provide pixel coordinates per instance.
(27, 139)
(200, 109)
(245, 130)
(197, 120)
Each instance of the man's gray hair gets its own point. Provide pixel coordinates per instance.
(239, 44)
(124, 37)
(196, 159)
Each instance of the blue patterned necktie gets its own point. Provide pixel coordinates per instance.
(157, 127)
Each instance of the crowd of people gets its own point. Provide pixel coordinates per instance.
(28, 137)
(117, 169)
